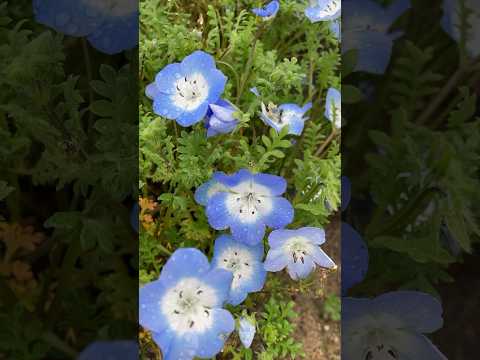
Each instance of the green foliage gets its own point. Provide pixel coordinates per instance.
(332, 307)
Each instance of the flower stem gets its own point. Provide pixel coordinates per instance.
(327, 142)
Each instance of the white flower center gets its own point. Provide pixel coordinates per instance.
(276, 115)
(117, 8)
(191, 91)
(187, 306)
(331, 9)
(298, 248)
(239, 262)
(249, 201)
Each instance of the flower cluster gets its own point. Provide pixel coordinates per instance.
(110, 26)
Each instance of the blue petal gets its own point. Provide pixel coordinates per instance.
(152, 91)
(221, 280)
(180, 349)
(278, 237)
(217, 213)
(212, 341)
(166, 79)
(150, 314)
(248, 233)
(315, 235)
(322, 259)
(416, 346)
(354, 258)
(198, 61)
(276, 260)
(164, 106)
(164, 340)
(207, 190)
(246, 332)
(276, 184)
(257, 281)
(281, 215)
(120, 349)
(217, 81)
(268, 10)
(237, 296)
(189, 118)
(298, 270)
(73, 18)
(240, 176)
(225, 241)
(422, 312)
(116, 35)
(184, 262)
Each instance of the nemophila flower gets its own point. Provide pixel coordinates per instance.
(104, 350)
(391, 326)
(183, 91)
(333, 107)
(297, 250)
(220, 118)
(366, 28)
(251, 202)
(285, 114)
(452, 22)
(183, 308)
(268, 11)
(354, 257)
(323, 10)
(245, 264)
(246, 331)
(110, 26)
(335, 28)
(210, 188)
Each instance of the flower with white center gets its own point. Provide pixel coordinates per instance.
(110, 350)
(333, 107)
(391, 327)
(246, 331)
(220, 118)
(245, 264)
(286, 114)
(366, 28)
(452, 22)
(297, 250)
(110, 26)
(183, 91)
(250, 203)
(323, 10)
(268, 11)
(183, 308)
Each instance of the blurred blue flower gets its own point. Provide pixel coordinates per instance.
(134, 217)
(297, 250)
(255, 91)
(245, 264)
(286, 114)
(102, 350)
(250, 203)
(110, 26)
(268, 11)
(220, 119)
(333, 107)
(452, 22)
(391, 326)
(323, 10)
(246, 331)
(366, 28)
(183, 91)
(354, 258)
(335, 28)
(183, 308)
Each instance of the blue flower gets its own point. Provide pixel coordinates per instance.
(210, 188)
(119, 349)
(335, 28)
(366, 28)
(246, 331)
(183, 308)
(268, 11)
(245, 264)
(354, 258)
(451, 23)
(109, 26)
(183, 91)
(323, 10)
(251, 202)
(220, 119)
(333, 107)
(391, 326)
(297, 250)
(286, 114)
